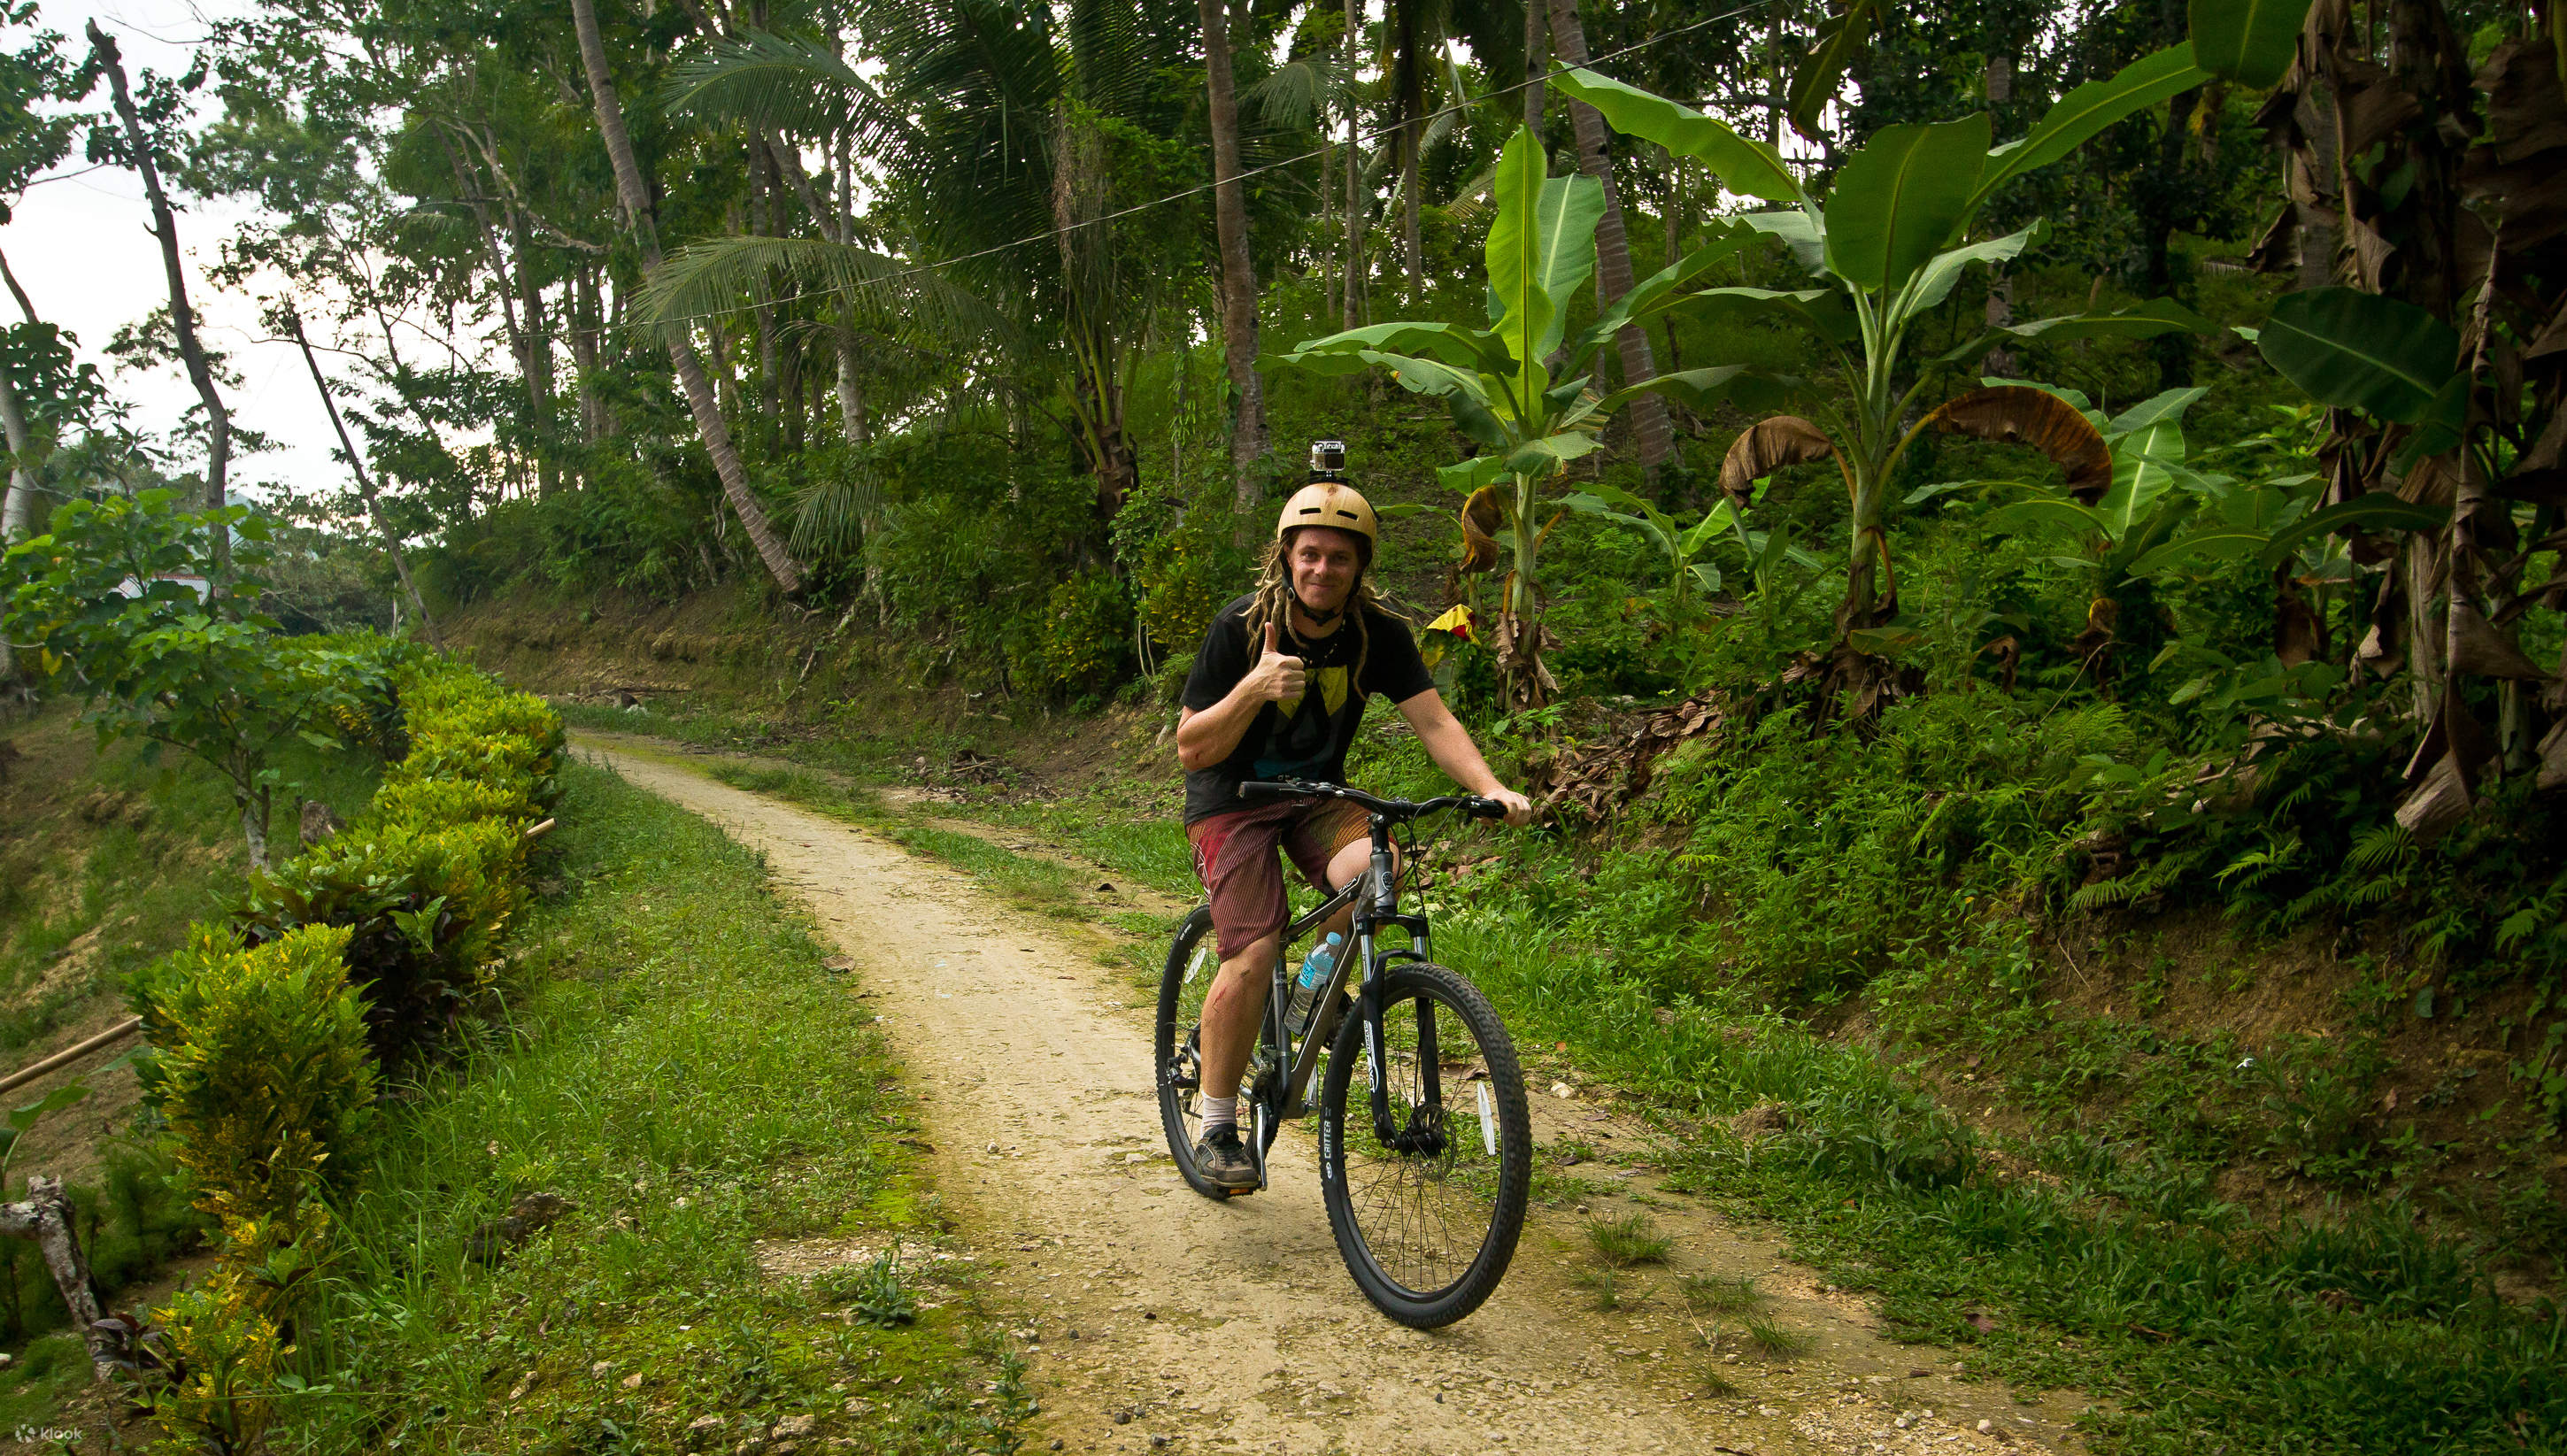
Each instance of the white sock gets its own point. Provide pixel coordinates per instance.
(1218, 1113)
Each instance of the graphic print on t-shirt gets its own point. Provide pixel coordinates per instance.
(1304, 741)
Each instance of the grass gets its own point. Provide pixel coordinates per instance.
(1628, 1242)
(1611, 1288)
(679, 1068)
(1774, 1341)
(1718, 1293)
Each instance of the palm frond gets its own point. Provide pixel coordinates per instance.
(786, 83)
(721, 275)
(1294, 94)
(832, 514)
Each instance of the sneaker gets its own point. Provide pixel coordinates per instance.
(1223, 1160)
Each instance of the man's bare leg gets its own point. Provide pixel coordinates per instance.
(1230, 1012)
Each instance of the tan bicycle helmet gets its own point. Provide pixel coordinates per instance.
(1330, 503)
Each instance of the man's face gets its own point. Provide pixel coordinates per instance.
(1323, 563)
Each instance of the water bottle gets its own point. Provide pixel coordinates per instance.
(1314, 976)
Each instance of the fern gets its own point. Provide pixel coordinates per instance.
(2379, 845)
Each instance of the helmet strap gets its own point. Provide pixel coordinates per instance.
(1334, 613)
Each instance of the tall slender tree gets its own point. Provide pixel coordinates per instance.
(137, 148)
(1248, 443)
(1650, 432)
(636, 195)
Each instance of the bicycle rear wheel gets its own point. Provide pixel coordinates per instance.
(1428, 1220)
(1193, 964)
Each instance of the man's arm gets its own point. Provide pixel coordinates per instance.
(1205, 738)
(1448, 744)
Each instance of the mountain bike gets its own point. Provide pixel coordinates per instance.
(1425, 1182)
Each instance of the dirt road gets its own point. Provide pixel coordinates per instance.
(1164, 1320)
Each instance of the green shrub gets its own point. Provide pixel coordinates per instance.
(423, 911)
(260, 1069)
(224, 1354)
(1084, 643)
(425, 878)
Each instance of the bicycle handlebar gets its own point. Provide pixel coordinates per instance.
(1401, 809)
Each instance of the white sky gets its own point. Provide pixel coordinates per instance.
(81, 248)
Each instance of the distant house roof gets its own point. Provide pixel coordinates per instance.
(203, 588)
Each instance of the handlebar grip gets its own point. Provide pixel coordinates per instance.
(1255, 790)
(1484, 808)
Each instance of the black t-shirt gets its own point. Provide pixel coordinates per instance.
(1295, 738)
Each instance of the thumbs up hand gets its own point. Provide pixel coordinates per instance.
(1277, 678)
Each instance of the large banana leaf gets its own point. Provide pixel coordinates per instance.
(1798, 229)
(1455, 344)
(2250, 42)
(2090, 108)
(1742, 163)
(2139, 321)
(2217, 544)
(2023, 515)
(1544, 457)
(1430, 376)
(1701, 390)
(2166, 404)
(2360, 350)
(2140, 535)
(1515, 247)
(2377, 512)
(1935, 281)
(1896, 201)
(1821, 75)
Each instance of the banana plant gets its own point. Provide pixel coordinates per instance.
(1523, 390)
(1884, 245)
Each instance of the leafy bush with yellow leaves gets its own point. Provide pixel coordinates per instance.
(260, 1068)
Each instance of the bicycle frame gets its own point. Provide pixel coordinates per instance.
(1375, 897)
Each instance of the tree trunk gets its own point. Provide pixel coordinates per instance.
(365, 484)
(682, 355)
(1357, 212)
(1409, 66)
(183, 318)
(1649, 413)
(538, 354)
(45, 1218)
(851, 391)
(254, 810)
(1237, 269)
(1537, 65)
(20, 512)
(587, 338)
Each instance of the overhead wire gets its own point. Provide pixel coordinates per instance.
(1051, 234)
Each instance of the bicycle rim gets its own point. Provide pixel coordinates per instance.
(1428, 1222)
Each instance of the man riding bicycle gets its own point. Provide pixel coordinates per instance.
(1278, 691)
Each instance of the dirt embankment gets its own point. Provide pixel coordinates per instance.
(1161, 1319)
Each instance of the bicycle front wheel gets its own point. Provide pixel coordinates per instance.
(1428, 1205)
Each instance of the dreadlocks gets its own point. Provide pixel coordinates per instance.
(1274, 602)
